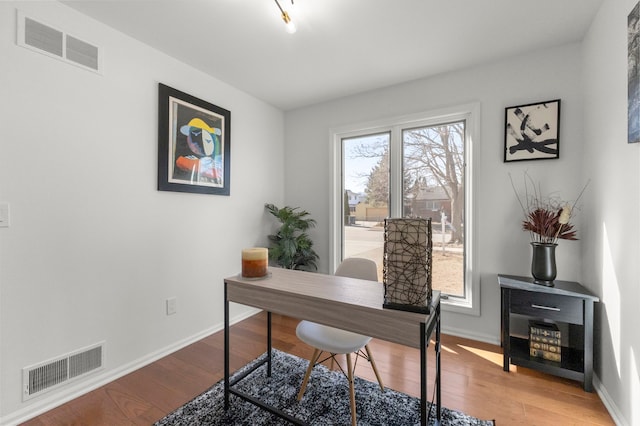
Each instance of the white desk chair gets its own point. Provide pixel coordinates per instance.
(335, 341)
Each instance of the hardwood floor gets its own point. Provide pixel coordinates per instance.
(472, 381)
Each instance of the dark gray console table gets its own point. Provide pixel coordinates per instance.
(567, 303)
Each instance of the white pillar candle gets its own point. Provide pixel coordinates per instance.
(254, 262)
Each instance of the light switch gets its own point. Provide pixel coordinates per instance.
(4, 215)
(171, 306)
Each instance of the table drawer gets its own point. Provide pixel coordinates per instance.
(548, 306)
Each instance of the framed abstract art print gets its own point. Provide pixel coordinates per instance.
(193, 144)
(532, 131)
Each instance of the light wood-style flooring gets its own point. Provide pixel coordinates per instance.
(472, 381)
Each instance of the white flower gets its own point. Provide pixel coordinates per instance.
(565, 215)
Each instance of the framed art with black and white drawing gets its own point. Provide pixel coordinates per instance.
(532, 131)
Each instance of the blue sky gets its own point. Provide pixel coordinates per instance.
(356, 169)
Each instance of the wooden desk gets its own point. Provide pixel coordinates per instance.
(347, 303)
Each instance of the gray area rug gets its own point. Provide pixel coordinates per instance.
(326, 400)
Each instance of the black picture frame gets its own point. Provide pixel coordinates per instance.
(194, 144)
(532, 131)
(633, 75)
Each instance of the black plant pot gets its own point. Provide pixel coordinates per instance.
(543, 263)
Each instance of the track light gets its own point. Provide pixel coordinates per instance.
(291, 27)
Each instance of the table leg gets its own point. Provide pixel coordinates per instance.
(226, 348)
(424, 340)
(438, 370)
(423, 374)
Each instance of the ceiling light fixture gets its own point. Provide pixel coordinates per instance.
(291, 27)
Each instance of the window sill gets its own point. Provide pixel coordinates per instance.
(460, 306)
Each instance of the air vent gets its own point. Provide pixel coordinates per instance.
(42, 37)
(52, 42)
(82, 53)
(48, 375)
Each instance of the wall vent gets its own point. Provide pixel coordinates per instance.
(52, 42)
(82, 53)
(48, 375)
(42, 37)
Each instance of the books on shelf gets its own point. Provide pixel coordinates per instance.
(550, 356)
(545, 341)
(544, 329)
(545, 347)
(542, 339)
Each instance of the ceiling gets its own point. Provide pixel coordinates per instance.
(341, 47)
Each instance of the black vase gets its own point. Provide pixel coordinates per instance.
(543, 263)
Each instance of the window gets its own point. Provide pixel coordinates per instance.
(365, 166)
(414, 166)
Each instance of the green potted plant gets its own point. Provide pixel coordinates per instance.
(291, 247)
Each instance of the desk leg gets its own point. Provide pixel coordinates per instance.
(226, 348)
(438, 370)
(424, 339)
(423, 374)
(269, 344)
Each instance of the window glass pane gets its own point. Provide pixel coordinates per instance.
(433, 187)
(365, 166)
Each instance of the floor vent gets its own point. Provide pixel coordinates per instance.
(52, 42)
(48, 375)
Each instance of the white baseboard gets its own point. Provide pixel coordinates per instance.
(608, 402)
(459, 332)
(66, 394)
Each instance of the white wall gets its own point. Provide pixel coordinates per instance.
(612, 241)
(502, 246)
(94, 249)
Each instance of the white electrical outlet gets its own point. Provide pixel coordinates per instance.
(4, 215)
(171, 306)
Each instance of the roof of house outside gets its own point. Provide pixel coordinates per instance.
(432, 194)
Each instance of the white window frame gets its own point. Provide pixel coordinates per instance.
(470, 113)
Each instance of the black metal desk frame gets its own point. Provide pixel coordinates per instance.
(427, 328)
